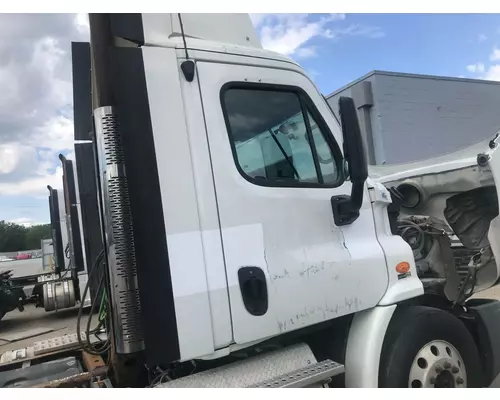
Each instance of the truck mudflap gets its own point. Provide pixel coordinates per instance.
(486, 329)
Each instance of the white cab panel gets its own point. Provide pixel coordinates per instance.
(227, 28)
(314, 270)
(188, 208)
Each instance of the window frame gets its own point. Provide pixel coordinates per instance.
(307, 106)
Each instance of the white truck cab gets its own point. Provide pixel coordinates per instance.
(239, 212)
(244, 235)
(249, 176)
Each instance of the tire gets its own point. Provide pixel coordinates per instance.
(429, 333)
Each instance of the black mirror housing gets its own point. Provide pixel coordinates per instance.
(346, 208)
(354, 150)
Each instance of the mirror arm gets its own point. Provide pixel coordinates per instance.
(357, 194)
(346, 208)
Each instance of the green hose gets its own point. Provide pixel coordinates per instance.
(102, 307)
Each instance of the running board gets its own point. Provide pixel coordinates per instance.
(318, 374)
(290, 367)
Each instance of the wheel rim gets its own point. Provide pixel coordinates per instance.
(438, 364)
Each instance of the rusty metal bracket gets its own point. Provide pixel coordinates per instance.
(94, 364)
(70, 381)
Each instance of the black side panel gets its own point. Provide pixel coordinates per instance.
(82, 98)
(128, 26)
(55, 222)
(93, 243)
(153, 269)
(71, 210)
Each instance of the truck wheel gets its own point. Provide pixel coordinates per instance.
(428, 348)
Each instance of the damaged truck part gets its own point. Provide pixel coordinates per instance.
(447, 210)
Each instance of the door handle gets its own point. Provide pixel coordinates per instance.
(253, 287)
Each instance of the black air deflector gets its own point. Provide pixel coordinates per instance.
(70, 198)
(82, 94)
(128, 26)
(85, 159)
(128, 83)
(55, 223)
(89, 206)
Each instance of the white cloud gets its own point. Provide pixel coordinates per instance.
(493, 73)
(476, 68)
(489, 71)
(82, 23)
(35, 105)
(373, 32)
(495, 54)
(56, 133)
(26, 171)
(480, 71)
(286, 33)
(291, 34)
(34, 185)
(482, 37)
(306, 52)
(27, 222)
(16, 160)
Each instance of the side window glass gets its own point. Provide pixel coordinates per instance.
(326, 159)
(269, 133)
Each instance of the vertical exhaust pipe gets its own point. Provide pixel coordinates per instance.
(115, 202)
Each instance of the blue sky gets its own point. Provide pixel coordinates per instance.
(437, 44)
(35, 125)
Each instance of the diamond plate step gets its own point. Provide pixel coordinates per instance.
(312, 374)
(55, 344)
(250, 371)
(43, 347)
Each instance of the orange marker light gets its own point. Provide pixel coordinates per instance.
(403, 267)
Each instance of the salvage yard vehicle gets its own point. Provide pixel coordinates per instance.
(246, 243)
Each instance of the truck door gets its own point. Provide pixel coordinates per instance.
(276, 159)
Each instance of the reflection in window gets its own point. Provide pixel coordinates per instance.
(270, 135)
(325, 156)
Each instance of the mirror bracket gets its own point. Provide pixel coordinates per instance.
(346, 207)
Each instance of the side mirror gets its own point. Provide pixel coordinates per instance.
(346, 208)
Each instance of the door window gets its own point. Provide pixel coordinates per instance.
(276, 139)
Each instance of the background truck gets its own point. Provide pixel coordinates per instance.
(245, 245)
(64, 262)
(64, 287)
